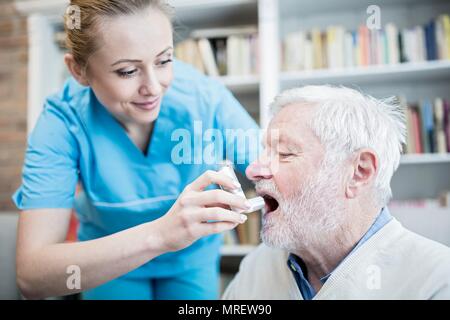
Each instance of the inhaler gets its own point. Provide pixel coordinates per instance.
(257, 203)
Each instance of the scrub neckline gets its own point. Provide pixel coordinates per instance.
(119, 132)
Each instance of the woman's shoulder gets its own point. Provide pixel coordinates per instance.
(70, 101)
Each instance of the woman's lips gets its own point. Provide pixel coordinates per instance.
(148, 105)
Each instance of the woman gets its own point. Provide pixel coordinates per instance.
(148, 229)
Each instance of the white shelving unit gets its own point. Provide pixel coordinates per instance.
(236, 250)
(418, 175)
(425, 159)
(420, 72)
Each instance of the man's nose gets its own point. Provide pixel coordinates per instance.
(258, 170)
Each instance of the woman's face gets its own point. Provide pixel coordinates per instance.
(133, 66)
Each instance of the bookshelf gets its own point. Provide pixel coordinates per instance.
(419, 175)
(414, 159)
(421, 72)
(236, 250)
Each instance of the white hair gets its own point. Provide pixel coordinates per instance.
(347, 120)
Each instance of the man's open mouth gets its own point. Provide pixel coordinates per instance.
(271, 203)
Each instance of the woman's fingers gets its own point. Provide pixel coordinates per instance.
(212, 177)
(210, 197)
(215, 227)
(220, 214)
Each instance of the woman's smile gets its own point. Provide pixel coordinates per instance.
(147, 105)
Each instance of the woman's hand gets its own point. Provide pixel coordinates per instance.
(186, 221)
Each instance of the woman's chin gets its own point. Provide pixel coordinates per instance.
(146, 117)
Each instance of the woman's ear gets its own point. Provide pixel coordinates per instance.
(364, 171)
(75, 70)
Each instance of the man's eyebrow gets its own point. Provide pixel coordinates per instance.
(289, 142)
(136, 60)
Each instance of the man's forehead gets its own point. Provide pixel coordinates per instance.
(290, 113)
(291, 124)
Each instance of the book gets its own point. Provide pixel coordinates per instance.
(447, 123)
(219, 46)
(189, 52)
(222, 51)
(208, 57)
(440, 139)
(427, 123)
(337, 47)
(317, 48)
(392, 43)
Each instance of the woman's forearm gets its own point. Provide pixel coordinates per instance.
(53, 269)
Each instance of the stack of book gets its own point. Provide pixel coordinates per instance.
(428, 126)
(222, 52)
(337, 47)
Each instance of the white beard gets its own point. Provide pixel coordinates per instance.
(312, 215)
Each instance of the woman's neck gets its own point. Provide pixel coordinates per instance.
(140, 135)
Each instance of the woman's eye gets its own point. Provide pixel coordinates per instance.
(126, 74)
(164, 62)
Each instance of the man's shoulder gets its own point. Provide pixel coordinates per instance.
(263, 274)
(427, 252)
(424, 247)
(406, 250)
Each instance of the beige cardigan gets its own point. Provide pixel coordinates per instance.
(394, 263)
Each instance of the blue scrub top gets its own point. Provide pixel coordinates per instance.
(76, 138)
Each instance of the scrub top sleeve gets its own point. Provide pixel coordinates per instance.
(240, 132)
(50, 170)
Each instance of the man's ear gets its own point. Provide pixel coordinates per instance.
(75, 70)
(364, 171)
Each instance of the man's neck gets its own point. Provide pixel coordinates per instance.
(322, 258)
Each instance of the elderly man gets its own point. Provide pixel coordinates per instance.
(325, 175)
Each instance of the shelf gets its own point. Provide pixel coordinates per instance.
(201, 12)
(404, 72)
(425, 158)
(210, 4)
(241, 84)
(302, 8)
(213, 13)
(236, 250)
(48, 7)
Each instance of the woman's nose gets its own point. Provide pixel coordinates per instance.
(258, 170)
(151, 86)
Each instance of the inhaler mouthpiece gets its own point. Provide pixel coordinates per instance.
(257, 203)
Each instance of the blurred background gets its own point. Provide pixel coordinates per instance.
(257, 48)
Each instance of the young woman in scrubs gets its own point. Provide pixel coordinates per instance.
(149, 225)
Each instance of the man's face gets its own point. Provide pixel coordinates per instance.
(301, 195)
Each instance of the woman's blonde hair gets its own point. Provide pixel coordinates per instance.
(81, 41)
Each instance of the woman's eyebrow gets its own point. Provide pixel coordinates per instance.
(164, 51)
(125, 60)
(137, 61)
